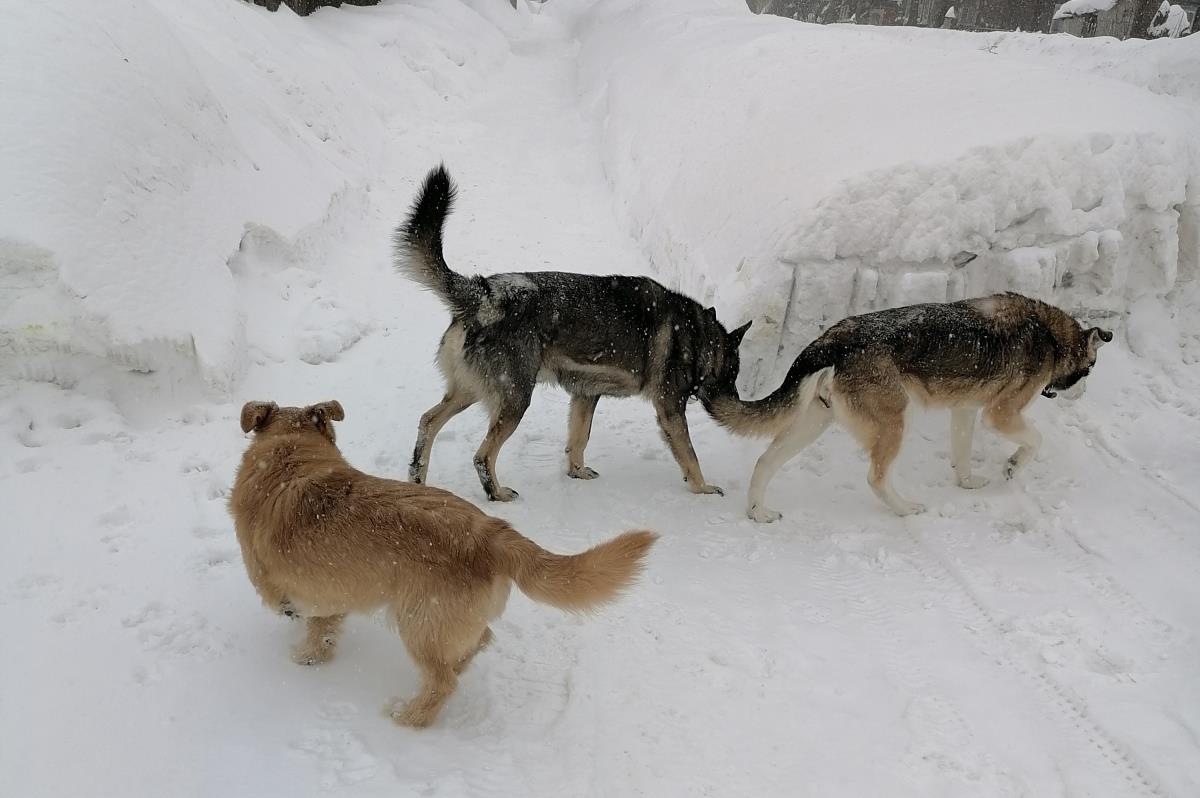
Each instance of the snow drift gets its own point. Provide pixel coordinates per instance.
(141, 149)
(753, 176)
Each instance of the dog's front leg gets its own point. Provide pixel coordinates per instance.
(578, 431)
(673, 423)
(320, 640)
(962, 432)
(272, 597)
(1012, 425)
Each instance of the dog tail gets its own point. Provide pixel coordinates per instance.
(575, 582)
(807, 381)
(418, 242)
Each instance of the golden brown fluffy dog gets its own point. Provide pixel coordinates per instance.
(321, 539)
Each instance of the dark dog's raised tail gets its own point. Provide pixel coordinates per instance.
(418, 242)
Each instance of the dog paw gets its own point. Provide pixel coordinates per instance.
(907, 508)
(503, 495)
(706, 489)
(972, 482)
(310, 655)
(1011, 467)
(404, 715)
(762, 515)
(581, 472)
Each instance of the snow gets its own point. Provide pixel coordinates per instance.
(186, 125)
(1079, 8)
(793, 210)
(1036, 638)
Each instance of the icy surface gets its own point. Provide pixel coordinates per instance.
(1036, 638)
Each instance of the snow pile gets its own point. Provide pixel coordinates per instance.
(140, 148)
(758, 180)
(1079, 8)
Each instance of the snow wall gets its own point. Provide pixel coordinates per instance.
(795, 174)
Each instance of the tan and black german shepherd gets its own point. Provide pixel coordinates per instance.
(996, 353)
(595, 336)
(321, 539)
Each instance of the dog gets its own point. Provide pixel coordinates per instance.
(321, 539)
(996, 353)
(594, 336)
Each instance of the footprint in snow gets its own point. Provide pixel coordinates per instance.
(341, 756)
(161, 629)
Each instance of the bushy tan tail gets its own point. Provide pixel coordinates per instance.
(576, 582)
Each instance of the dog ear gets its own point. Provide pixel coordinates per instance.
(255, 414)
(331, 410)
(1097, 338)
(711, 312)
(734, 337)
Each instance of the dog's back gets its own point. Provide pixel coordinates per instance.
(945, 354)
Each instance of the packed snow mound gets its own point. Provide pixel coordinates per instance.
(752, 173)
(140, 148)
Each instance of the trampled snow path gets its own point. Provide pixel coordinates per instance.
(1027, 639)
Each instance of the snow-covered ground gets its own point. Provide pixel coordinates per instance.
(198, 207)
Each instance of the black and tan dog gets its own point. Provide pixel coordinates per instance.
(996, 353)
(594, 336)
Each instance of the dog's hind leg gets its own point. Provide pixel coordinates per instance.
(673, 423)
(962, 431)
(442, 643)
(883, 451)
(879, 427)
(504, 423)
(454, 402)
(579, 430)
(438, 682)
(787, 444)
(484, 641)
(1012, 425)
(320, 640)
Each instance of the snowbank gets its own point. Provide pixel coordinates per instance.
(791, 173)
(141, 147)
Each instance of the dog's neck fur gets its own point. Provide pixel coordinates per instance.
(277, 470)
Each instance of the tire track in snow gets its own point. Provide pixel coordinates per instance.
(1095, 432)
(945, 738)
(1067, 709)
(1102, 586)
